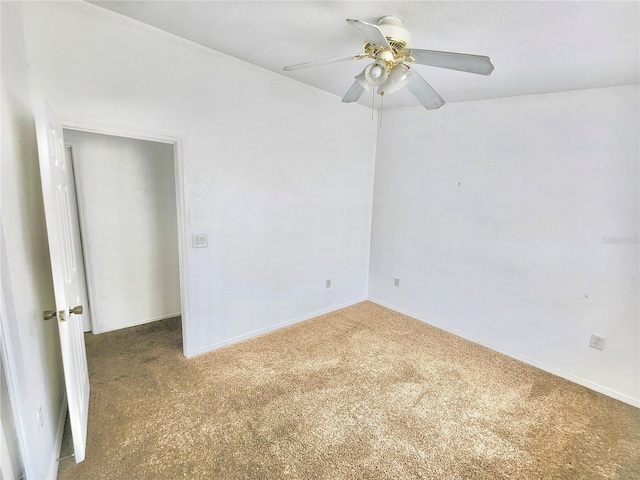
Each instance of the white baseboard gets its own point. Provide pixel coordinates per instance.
(271, 328)
(635, 402)
(141, 322)
(55, 454)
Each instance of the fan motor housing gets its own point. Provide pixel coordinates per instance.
(395, 33)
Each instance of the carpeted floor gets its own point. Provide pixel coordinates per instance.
(359, 393)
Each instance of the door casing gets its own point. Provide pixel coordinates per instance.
(178, 147)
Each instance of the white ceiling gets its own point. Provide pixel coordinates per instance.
(536, 47)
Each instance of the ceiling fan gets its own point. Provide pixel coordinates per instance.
(388, 44)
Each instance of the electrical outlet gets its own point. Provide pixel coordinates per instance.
(396, 282)
(597, 342)
(328, 284)
(40, 417)
(199, 240)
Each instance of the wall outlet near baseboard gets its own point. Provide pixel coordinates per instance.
(396, 282)
(597, 342)
(327, 284)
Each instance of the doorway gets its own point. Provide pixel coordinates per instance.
(129, 217)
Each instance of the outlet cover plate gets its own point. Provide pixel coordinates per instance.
(597, 342)
(199, 240)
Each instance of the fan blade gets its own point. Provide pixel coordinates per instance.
(316, 63)
(354, 93)
(424, 92)
(370, 32)
(453, 61)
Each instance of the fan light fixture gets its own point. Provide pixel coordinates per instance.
(388, 44)
(376, 73)
(397, 80)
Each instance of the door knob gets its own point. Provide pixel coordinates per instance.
(77, 310)
(49, 314)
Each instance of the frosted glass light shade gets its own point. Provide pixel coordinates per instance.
(397, 79)
(376, 73)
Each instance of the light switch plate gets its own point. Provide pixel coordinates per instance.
(199, 240)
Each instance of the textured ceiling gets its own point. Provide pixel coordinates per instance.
(536, 47)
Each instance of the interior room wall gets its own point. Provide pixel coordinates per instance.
(514, 223)
(33, 361)
(126, 190)
(278, 174)
(10, 461)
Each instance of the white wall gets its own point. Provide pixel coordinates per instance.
(500, 219)
(278, 174)
(10, 461)
(35, 377)
(126, 189)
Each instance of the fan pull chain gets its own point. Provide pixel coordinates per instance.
(373, 101)
(380, 115)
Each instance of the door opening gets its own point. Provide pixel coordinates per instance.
(128, 218)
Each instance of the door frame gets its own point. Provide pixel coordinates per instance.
(178, 142)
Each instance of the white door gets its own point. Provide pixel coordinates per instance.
(77, 240)
(56, 193)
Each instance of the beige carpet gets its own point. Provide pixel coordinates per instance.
(359, 393)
